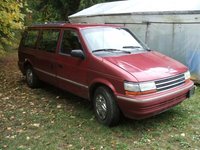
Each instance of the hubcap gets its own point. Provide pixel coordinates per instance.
(29, 76)
(101, 107)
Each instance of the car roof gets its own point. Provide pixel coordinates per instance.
(71, 25)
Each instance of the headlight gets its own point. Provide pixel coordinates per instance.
(187, 75)
(129, 86)
(146, 86)
(139, 88)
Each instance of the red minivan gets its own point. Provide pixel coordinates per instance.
(106, 64)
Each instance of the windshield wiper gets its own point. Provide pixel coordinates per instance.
(132, 47)
(109, 50)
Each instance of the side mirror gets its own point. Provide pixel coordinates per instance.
(78, 53)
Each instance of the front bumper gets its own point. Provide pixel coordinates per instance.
(144, 106)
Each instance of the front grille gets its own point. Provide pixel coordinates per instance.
(170, 82)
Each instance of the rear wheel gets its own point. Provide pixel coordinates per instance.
(105, 106)
(31, 78)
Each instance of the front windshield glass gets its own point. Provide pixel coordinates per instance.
(110, 39)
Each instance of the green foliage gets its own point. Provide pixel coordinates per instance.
(42, 11)
(87, 3)
(51, 10)
(11, 20)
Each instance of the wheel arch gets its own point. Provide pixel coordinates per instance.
(99, 83)
(112, 111)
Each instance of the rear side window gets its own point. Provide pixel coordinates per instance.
(70, 42)
(48, 40)
(30, 38)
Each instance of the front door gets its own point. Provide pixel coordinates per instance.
(71, 71)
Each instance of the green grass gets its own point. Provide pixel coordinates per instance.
(48, 118)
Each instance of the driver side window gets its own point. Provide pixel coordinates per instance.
(70, 42)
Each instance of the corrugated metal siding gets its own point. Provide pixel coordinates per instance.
(175, 34)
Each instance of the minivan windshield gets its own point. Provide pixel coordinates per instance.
(111, 40)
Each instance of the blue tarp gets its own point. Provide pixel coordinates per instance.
(193, 62)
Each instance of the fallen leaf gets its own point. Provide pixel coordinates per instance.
(31, 103)
(21, 147)
(70, 145)
(148, 140)
(19, 131)
(183, 134)
(13, 136)
(73, 117)
(59, 106)
(5, 98)
(12, 117)
(36, 125)
(9, 128)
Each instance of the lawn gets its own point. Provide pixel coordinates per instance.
(48, 118)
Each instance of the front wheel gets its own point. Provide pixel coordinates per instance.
(105, 106)
(31, 78)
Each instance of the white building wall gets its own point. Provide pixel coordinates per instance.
(176, 35)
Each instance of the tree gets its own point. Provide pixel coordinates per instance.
(59, 10)
(51, 10)
(87, 3)
(11, 20)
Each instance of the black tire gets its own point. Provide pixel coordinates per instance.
(105, 107)
(31, 78)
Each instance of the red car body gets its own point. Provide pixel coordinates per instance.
(83, 76)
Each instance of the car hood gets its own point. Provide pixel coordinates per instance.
(147, 66)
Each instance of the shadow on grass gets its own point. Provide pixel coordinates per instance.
(163, 118)
(84, 105)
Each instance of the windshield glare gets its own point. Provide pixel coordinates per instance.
(110, 38)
